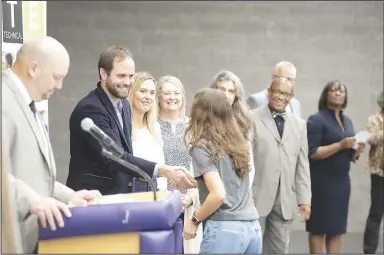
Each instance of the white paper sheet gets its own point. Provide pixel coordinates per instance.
(361, 137)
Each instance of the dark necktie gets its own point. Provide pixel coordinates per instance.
(119, 108)
(33, 107)
(279, 118)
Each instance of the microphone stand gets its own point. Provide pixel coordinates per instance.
(132, 167)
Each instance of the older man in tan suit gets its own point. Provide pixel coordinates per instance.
(280, 152)
(39, 70)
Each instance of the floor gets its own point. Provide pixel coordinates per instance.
(352, 243)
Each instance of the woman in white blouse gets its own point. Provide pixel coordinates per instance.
(146, 135)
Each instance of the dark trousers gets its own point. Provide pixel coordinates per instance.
(182, 218)
(35, 251)
(376, 213)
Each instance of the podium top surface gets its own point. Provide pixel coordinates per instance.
(137, 212)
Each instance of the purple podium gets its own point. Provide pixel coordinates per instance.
(131, 223)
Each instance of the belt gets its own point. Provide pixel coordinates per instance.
(140, 185)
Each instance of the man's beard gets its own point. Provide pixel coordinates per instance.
(111, 87)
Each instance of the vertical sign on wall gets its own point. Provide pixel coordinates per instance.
(22, 21)
(34, 19)
(12, 22)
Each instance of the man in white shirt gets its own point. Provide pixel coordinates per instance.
(282, 69)
(39, 70)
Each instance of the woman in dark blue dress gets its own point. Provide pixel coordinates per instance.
(331, 140)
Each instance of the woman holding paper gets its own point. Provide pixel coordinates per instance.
(375, 166)
(331, 141)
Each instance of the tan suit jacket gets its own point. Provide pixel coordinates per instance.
(10, 228)
(280, 159)
(32, 164)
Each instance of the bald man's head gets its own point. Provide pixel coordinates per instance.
(42, 65)
(285, 69)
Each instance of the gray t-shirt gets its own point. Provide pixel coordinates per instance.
(238, 204)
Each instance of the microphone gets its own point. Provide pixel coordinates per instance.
(114, 152)
(105, 141)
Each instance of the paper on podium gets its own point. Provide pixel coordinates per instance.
(361, 137)
(122, 223)
(114, 199)
(108, 199)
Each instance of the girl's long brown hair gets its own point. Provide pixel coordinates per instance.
(212, 124)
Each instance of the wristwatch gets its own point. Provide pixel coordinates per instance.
(195, 220)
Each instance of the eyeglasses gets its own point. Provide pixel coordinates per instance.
(278, 93)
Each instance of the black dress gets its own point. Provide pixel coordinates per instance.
(331, 185)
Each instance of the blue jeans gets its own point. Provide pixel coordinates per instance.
(232, 237)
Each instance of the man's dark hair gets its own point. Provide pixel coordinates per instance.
(109, 55)
(323, 101)
(9, 59)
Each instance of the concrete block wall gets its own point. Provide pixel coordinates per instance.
(194, 40)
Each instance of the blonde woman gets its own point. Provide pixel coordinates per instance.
(231, 85)
(173, 123)
(146, 137)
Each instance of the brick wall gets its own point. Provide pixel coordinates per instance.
(194, 40)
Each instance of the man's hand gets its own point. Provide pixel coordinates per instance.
(178, 176)
(82, 197)
(48, 211)
(304, 212)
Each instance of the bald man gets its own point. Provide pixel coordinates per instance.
(37, 73)
(282, 69)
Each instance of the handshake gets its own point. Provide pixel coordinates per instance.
(177, 176)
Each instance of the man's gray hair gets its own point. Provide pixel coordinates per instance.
(284, 64)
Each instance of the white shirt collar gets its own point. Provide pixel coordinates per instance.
(20, 86)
